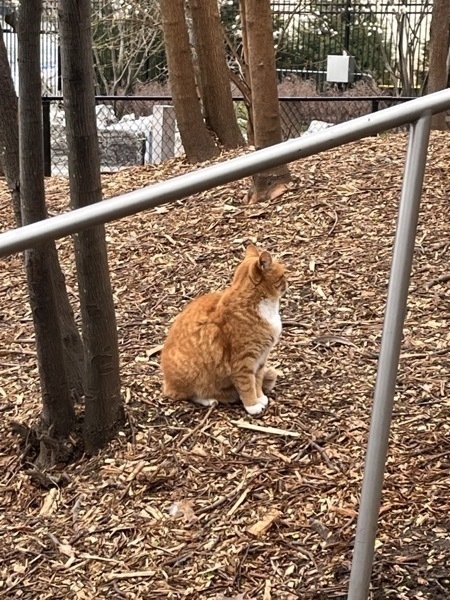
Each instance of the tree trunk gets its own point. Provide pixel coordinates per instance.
(196, 139)
(439, 45)
(71, 338)
(9, 152)
(265, 106)
(104, 411)
(9, 130)
(58, 414)
(214, 78)
(246, 74)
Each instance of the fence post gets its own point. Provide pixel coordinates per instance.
(347, 24)
(375, 105)
(46, 137)
(163, 133)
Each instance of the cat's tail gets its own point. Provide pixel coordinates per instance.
(269, 380)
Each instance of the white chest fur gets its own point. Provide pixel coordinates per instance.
(269, 310)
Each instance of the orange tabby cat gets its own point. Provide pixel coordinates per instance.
(217, 347)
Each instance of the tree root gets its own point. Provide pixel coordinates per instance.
(44, 451)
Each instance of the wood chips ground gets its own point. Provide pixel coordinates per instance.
(189, 503)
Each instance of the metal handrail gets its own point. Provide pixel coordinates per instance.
(221, 173)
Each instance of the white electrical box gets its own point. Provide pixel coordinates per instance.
(340, 69)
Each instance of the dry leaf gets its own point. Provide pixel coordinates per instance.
(67, 550)
(276, 191)
(50, 503)
(262, 526)
(154, 350)
(183, 509)
(199, 450)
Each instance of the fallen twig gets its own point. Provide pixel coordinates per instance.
(131, 574)
(199, 426)
(263, 429)
(441, 279)
(131, 477)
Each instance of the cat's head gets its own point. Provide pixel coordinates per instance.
(262, 271)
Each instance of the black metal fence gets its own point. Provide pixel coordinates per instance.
(137, 130)
(376, 33)
(49, 50)
(387, 38)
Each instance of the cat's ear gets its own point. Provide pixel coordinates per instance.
(251, 252)
(264, 261)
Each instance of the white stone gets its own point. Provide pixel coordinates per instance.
(105, 115)
(163, 135)
(316, 126)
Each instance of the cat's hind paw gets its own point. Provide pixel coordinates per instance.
(205, 401)
(269, 379)
(257, 409)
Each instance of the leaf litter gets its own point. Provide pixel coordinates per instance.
(189, 503)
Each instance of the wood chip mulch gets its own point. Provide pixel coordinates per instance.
(192, 503)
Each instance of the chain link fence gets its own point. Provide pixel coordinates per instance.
(138, 130)
(309, 115)
(132, 130)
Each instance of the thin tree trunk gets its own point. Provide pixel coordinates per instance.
(9, 136)
(196, 139)
(265, 105)
(58, 414)
(439, 46)
(193, 49)
(246, 73)
(9, 152)
(104, 411)
(214, 78)
(71, 338)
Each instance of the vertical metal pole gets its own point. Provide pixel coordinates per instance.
(375, 107)
(377, 446)
(59, 87)
(347, 21)
(46, 137)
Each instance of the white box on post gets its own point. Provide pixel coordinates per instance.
(340, 68)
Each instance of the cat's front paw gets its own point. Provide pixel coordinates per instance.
(205, 401)
(257, 409)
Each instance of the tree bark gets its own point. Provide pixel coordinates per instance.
(71, 338)
(214, 78)
(9, 153)
(265, 105)
(58, 414)
(246, 74)
(103, 410)
(439, 45)
(196, 139)
(9, 131)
